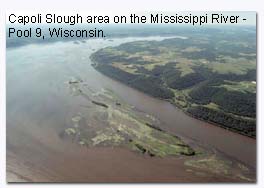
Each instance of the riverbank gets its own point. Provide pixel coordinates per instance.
(34, 145)
(164, 70)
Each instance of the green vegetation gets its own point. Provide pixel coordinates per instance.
(120, 125)
(211, 77)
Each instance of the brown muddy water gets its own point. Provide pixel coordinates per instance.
(39, 105)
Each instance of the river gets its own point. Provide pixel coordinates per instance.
(38, 102)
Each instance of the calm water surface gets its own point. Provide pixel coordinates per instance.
(39, 104)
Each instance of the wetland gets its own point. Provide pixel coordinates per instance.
(67, 122)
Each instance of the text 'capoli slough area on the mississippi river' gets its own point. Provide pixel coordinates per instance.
(214, 18)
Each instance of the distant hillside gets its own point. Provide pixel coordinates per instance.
(209, 76)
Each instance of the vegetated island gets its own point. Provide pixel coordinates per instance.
(108, 121)
(212, 78)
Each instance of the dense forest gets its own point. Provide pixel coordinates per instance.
(209, 75)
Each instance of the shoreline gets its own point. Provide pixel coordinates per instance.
(93, 64)
(34, 144)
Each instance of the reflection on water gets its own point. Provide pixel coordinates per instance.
(39, 104)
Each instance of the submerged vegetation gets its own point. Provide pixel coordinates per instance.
(221, 167)
(211, 77)
(113, 123)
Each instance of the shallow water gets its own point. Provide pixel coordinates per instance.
(39, 105)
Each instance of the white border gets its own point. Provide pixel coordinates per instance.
(130, 6)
